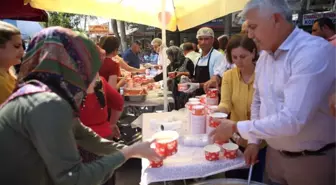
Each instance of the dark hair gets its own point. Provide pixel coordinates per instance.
(99, 92)
(137, 43)
(109, 44)
(325, 21)
(215, 44)
(223, 42)
(188, 46)
(195, 42)
(241, 40)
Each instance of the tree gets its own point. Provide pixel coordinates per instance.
(123, 40)
(65, 20)
(88, 18)
(122, 37)
(115, 28)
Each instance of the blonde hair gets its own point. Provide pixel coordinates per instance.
(6, 32)
(12, 72)
(157, 41)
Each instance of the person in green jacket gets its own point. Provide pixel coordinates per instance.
(39, 125)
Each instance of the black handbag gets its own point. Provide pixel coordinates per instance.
(128, 134)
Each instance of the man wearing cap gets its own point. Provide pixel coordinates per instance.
(210, 65)
(216, 80)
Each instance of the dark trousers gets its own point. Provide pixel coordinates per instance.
(258, 169)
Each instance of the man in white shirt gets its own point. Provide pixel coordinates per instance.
(189, 52)
(215, 81)
(161, 50)
(211, 63)
(294, 75)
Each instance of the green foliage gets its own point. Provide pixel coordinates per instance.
(66, 20)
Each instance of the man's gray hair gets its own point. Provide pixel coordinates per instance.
(269, 6)
(157, 41)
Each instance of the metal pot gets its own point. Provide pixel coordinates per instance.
(227, 182)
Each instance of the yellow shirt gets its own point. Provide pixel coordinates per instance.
(236, 95)
(221, 51)
(7, 84)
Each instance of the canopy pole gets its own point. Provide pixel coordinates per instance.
(163, 55)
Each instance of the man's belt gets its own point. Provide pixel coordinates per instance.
(308, 152)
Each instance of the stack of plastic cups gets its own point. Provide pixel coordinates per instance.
(198, 115)
(189, 107)
(210, 109)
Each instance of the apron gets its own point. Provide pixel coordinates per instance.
(202, 74)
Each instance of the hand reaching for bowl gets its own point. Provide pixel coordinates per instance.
(224, 131)
(141, 71)
(141, 150)
(192, 87)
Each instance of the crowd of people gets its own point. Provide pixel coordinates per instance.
(276, 81)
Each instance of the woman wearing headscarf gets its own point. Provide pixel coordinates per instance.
(179, 65)
(11, 52)
(39, 125)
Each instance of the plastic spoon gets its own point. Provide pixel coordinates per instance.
(250, 175)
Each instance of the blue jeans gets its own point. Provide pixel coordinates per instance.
(258, 169)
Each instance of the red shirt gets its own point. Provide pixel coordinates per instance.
(95, 117)
(109, 68)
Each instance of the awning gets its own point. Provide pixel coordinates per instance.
(15, 9)
(181, 14)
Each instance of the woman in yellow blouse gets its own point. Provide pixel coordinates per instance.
(237, 93)
(11, 52)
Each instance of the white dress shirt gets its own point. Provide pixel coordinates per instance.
(193, 56)
(217, 64)
(290, 107)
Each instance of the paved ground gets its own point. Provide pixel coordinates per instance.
(129, 173)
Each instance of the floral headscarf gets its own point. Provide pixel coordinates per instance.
(64, 60)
